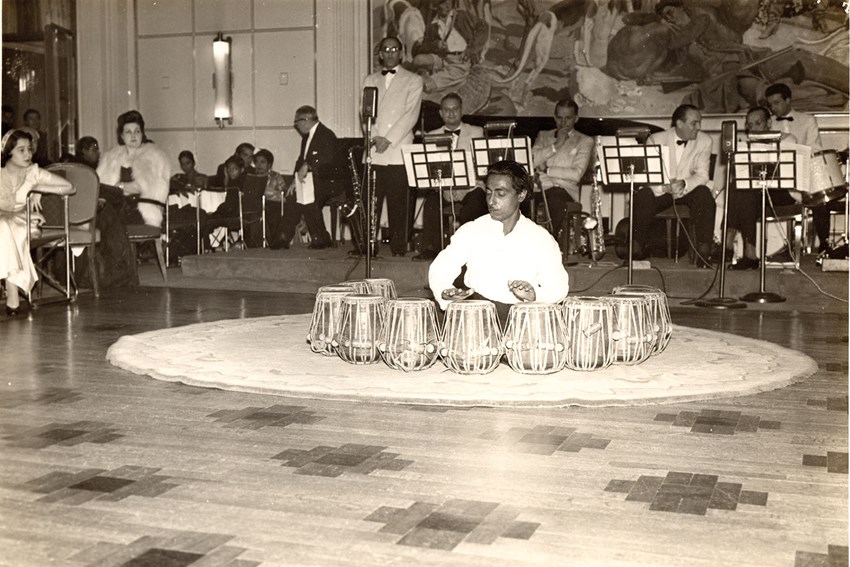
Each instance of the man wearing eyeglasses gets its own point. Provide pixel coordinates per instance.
(399, 98)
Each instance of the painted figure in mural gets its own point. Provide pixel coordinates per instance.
(451, 112)
(771, 13)
(399, 100)
(453, 42)
(404, 21)
(561, 157)
(687, 167)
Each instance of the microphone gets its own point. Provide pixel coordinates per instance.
(370, 102)
(770, 136)
(500, 125)
(637, 132)
(438, 140)
(728, 136)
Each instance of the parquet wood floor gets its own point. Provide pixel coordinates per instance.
(101, 467)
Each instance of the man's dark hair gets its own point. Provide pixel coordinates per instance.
(306, 111)
(452, 96)
(764, 112)
(30, 111)
(681, 112)
(186, 154)
(84, 144)
(234, 160)
(780, 89)
(266, 154)
(520, 180)
(567, 103)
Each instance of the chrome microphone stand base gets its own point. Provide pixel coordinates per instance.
(763, 297)
(721, 303)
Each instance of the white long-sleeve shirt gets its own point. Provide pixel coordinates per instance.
(493, 258)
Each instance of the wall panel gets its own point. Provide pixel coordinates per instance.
(156, 17)
(279, 14)
(166, 94)
(288, 53)
(222, 15)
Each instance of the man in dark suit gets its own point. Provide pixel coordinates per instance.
(316, 179)
(687, 161)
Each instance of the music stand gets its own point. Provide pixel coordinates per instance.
(434, 165)
(763, 170)
(631, 163)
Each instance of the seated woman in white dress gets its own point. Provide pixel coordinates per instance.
(508, 257)
(20, 176)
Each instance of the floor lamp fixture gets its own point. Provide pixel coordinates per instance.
(222, 80)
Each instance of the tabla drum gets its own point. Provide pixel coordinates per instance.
(589, 322)
(359, 285)
(410, 338)
(472, 339)
(828, 183)
(662, 323)
(325, 315)
(535, 338)
(361, 318)
(633, 332)
(381, 286)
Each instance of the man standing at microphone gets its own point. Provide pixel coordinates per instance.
(399, 98)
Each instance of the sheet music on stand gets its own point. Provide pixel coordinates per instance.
(802, 161)
(429, 166)
(487, 151)
(616, 155)
(778, 165)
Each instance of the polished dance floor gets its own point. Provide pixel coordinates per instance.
(99, 466)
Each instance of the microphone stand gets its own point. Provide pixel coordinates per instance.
(631, 221)
(762, 296)
(722, 302)
(370, 241)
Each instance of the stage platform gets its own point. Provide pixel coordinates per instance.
(300, 270)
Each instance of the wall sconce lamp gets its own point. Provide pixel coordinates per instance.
(222, 80)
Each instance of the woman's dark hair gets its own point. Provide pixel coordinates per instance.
(11, 142)
(265, 154)
(186, 154)
(131, 117)
(520, 180)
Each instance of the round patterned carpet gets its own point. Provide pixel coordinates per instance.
(269, 355)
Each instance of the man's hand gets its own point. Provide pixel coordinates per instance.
(381, 144)
(289, 191)
(303, 171)
(131, 188)
(522, 290)
(677, 188)
(456, 293)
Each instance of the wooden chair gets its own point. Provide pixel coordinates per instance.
(138, 233)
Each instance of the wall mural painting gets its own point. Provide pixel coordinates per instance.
(622, 57)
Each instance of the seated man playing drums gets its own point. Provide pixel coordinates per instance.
(508, 257)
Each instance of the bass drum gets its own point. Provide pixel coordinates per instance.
(828, 182)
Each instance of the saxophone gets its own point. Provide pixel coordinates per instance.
(353, 208)
(596, 232)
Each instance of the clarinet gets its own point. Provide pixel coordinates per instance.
(353, 209)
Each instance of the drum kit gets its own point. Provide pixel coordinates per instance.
(581, 333)
(828, 183)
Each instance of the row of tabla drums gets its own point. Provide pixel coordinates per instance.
(582, 333)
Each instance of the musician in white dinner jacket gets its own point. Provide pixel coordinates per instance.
(399, 99)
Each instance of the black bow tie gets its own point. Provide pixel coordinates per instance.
(788, 118)
(454, 132)
(681, 142)
(385, 71)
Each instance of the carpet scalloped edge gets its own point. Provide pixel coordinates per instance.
(268, 355)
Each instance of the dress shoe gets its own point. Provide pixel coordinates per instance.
(782, 256)
(425, 256)
(703, 263)
(745, 264)
(319, 245)
(14, 311)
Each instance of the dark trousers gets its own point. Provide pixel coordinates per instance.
(700, 202)
(292, 213)
(557, 198)
(745, 210)
(391, 183)
(431, 220)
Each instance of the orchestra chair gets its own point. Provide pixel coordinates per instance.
(796, 219)
(174, 226)
(82, 223)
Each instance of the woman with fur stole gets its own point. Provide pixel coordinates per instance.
(138, 168)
